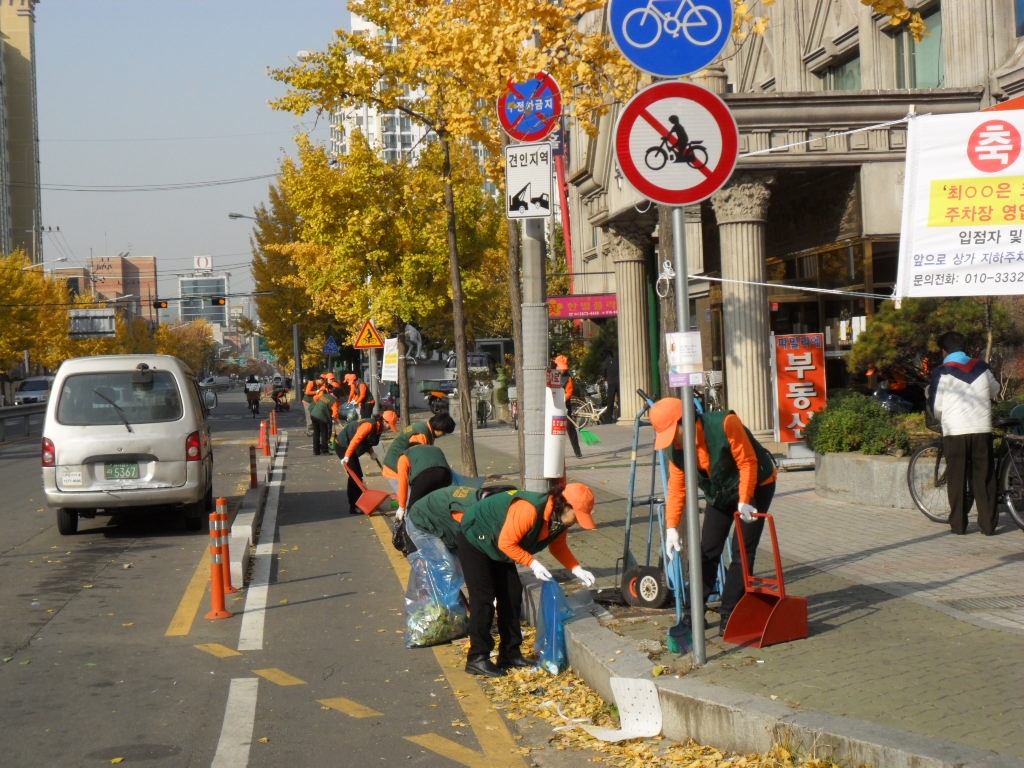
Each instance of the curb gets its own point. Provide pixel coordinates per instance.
(741, 722)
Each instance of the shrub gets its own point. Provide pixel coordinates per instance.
(856, 422)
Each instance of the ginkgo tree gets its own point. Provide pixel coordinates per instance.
(374, 240)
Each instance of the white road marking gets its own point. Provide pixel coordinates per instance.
(239, 717)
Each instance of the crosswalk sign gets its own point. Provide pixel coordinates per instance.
(369, 338)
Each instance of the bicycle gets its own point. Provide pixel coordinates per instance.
(694, 154)
(253, 403)
(703, 19)
(582, 413)
(484, 409)
(926, 475)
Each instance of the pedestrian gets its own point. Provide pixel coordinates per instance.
(736, 474)
(569, 387)
(359, 395)
(323, 413)
(356, 439)
(421, 469)
(252, 394)
(960, 396)
(610, 371)
(307, 400)
(497, 533)
(422, 432)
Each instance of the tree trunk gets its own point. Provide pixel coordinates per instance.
(465, 428)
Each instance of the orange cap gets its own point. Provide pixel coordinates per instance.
(581, 499)
(391, 419)
(562, 363)
(665, 416)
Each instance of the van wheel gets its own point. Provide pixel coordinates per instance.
(198, 515)
(67, 522)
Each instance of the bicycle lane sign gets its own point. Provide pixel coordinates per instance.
(647, 136)
(670, 38)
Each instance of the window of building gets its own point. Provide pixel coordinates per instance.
(1018, 11)
(920, 64)
(844, 76)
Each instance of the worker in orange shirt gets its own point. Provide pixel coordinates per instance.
(736, 474)
(497, 533)
(356, 439)
(421, 469)
(420, 432)
(569, 386)
(323, 413)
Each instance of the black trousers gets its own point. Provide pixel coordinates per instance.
(488, 581)
(321, 436)
(570, 431)
(971, 476)
(353, 489)
(713, 536)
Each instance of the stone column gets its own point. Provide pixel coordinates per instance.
(629, 243)
(741, 207)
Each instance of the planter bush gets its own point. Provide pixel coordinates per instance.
(853, 422)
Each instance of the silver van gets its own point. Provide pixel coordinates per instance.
(35, 389)
(127, 432)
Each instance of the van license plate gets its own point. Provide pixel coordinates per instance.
(121, 471)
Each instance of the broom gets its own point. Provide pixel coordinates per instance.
(588, 437)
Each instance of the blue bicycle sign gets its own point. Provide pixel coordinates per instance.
(670, 38)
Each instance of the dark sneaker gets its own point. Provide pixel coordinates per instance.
(484, 668)
(518, 661)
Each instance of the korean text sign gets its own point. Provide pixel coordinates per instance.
(800, 366)
(963, 206)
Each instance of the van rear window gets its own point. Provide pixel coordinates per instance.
(111, 397)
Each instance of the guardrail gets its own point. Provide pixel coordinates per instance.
(18, 422)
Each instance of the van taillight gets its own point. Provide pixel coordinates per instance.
(193, 447)
(49, 454)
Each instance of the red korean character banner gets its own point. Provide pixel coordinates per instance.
(800, 377)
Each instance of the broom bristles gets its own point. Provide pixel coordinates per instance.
(589, 437)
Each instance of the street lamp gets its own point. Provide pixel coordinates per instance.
(43, 264)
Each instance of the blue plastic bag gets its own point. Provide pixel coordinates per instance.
(435, 611)
(550, 642)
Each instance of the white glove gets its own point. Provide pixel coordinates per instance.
(584, 575)
(672, 544)
(747, 512)
(542, 573)
(344, 459)
(399, 513)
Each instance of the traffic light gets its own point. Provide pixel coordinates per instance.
(160, 304)
(218, 301)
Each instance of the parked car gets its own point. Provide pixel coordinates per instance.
(35, 389)
(217, 383)
(127, 433)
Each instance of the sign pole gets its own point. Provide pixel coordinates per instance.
(692, 511)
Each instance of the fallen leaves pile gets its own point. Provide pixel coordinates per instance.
(561, 701)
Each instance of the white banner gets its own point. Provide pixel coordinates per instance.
(389, 366)
(963, 206)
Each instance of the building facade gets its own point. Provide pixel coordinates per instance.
(804, 236)
(20, 196)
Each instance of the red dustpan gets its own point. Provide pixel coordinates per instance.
(369, 500)
(766, 615)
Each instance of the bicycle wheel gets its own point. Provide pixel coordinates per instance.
(641, 27)
(926, 478)
(655, 158)
(702, 25)
(697, 157)
(1011, 484)
(582, 413)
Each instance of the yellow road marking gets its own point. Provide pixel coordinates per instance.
(218, 650)
(279, 676)
(349, 707)
(188, 607)
(453, 751)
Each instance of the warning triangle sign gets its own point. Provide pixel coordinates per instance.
(369, 338)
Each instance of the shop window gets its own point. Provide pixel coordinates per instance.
(920, 64)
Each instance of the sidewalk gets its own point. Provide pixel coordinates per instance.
(915, 636)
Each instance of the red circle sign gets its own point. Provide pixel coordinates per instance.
(529, 111)
(994, 145)
(676, 143)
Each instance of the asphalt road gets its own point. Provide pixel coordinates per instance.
(106, 652)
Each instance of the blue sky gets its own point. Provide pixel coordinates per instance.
(152, 93)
